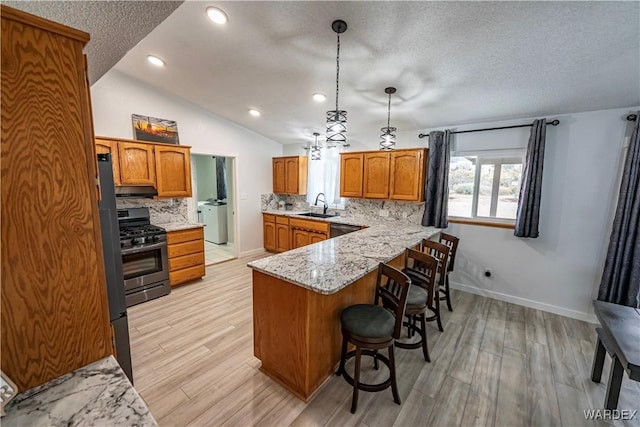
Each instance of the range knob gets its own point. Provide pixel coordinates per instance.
(155, 238)
(135, 241)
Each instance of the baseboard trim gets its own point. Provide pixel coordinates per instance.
(251, 252)
(591, 318)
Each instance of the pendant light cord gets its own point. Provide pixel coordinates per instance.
(337, 71)
(389, 111)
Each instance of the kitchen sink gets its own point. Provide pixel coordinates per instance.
(317, 215)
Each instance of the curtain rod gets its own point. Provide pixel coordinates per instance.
(552, 123)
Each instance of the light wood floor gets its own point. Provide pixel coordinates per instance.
(496, 364)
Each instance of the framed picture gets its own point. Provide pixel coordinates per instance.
(151, 129)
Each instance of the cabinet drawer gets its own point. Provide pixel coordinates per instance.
(269, 218)
(185, 235)
(178, 263)
(304, 224)
(282, 220)
(186, 248)
(186, 274)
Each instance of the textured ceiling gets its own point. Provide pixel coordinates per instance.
(452, 62)
(115, 26)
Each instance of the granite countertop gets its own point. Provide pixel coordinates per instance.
(328, 266)
(361, 221)
(96, 394)
(177, 226)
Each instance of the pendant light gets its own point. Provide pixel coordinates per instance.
(388, 136)
(315, 148)
(337, 119)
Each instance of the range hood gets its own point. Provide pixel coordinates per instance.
(139, 191)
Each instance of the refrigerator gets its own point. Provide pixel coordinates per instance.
(113, 263)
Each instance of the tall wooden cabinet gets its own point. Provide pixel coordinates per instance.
(389, 175)
(54, 305)
(290, 175)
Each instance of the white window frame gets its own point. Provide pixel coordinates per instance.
(496, 158)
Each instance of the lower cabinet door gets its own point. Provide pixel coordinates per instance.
(317, 237)
(299, 238)
(269, 236)
(282, 237)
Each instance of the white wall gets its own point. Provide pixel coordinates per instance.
(561, 270)
(115, 97)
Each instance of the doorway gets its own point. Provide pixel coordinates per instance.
(214, 195)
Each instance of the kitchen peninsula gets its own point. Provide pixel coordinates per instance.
(298, 296)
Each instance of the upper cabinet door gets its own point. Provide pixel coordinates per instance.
(137, 165)
(104, 146)
(278, 176)
(407, 175)
(292, 175)
(173, 171)
(351, 170)
(376, 175)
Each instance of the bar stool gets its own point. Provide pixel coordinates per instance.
(441, 253)
(421, 269)
(452, 242)
(371, 327)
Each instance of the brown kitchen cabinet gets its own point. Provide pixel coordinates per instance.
(305, 232)
(186, 255)
(282, 234)
(54, 308)
(166, 167)
(376, 175)
(406, 172)
(389, 175)
(173, 171)
(351, 171)
(290, 175)
(137, 164)
(106, 146)
(269, 232)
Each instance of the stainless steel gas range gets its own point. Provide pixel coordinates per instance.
(145, 261)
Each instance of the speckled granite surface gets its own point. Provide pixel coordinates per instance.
(176, 226)
(328, 266)
(98, 394)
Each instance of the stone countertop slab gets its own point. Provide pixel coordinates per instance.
(334, 219)
(177, 226)
(98, 394)
(329, 266)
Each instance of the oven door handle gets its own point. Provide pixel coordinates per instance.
(137, 250)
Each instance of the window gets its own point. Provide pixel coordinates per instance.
(324, 177)
(485, 185)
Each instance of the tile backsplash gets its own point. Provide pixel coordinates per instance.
(161, 211)
(366, 208)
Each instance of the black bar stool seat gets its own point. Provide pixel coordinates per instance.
(372, 327)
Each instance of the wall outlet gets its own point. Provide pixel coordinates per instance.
(383, 212)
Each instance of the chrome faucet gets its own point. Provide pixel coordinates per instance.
(324, 210)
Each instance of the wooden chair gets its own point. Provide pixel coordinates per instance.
(441, 253)
(452, 242)
(421, 268)
(371, 327)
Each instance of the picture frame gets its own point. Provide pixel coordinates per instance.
(152, 129)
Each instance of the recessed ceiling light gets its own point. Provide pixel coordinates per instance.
(217, 15)
(155, 61)
(254, 113)
(319, 97)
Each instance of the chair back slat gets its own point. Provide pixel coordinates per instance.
(392, 288)
(452, 242)
(421, 268)
(441, 253)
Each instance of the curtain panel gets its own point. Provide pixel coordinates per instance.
(528, 213)
(436, 187)
(621, 276)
